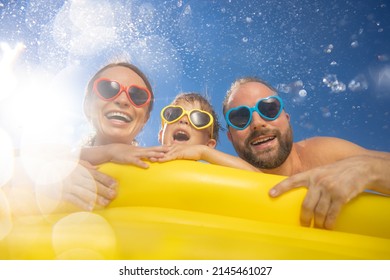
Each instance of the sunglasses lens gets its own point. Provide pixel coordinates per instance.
(108, 89)
(269, 107)
(138, 96)
(199, 119)
(240, 117)
(171, 114)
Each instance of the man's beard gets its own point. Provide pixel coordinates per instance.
(265, 160)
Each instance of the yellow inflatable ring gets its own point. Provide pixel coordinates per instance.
(207, 188)
(193, 210)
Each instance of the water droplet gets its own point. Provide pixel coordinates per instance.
(329, 48)
(333, 83)
(383, 57)
(248, 19)
(302, 93)
(359, 83)
(355, 44)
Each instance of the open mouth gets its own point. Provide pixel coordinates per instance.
(119, 116)
(260, 141)
(181, 136)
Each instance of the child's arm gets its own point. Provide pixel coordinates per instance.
(203, 152)
(121, 153)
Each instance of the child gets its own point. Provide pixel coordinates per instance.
(190, 128)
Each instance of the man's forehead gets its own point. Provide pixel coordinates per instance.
(248, 91)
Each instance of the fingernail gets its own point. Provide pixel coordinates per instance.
(273, 192)
(112, 193)
(103, 201)
(91, 206)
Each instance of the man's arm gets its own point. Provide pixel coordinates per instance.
(337, 172)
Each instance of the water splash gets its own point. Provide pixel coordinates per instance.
(333, 83)
(296, 87)
(355, 44)
(329, 48)
(85, 27)
(359, 83)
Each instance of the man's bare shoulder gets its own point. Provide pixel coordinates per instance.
(316, 142)
(326, 143)
(327, 149)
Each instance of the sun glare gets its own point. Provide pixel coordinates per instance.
(6, 158)
(8, 81)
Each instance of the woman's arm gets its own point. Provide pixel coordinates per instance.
(121, 153)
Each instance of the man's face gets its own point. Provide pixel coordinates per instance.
(264, 144)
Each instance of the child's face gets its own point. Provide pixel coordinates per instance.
(182, 131)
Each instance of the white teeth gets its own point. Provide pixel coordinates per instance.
(262, 140)
(119, 114)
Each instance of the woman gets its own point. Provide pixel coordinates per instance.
(118, 103)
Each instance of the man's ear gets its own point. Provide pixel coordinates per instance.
(229, 136)
(288, 117)
(211, 143)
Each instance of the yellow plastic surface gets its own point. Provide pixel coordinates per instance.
(192, 210)
(207, 188)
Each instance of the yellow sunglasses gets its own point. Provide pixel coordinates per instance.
(199, 119)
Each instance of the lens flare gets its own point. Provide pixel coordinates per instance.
(5, 216)
(6, 158)
(85, 27)
(8, 81)
(73, 234)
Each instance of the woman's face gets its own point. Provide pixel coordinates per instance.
(117, 120)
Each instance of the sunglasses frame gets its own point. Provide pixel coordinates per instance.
(122, 88)
(188, 113)
(254, 109)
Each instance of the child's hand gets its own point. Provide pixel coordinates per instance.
(191, 152)
(122, 153)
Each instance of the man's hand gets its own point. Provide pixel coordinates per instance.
(331, 186)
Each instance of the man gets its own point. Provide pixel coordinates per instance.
(333, 170)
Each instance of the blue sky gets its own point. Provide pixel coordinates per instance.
(330, 60)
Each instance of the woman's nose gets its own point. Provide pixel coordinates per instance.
(122, 99)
